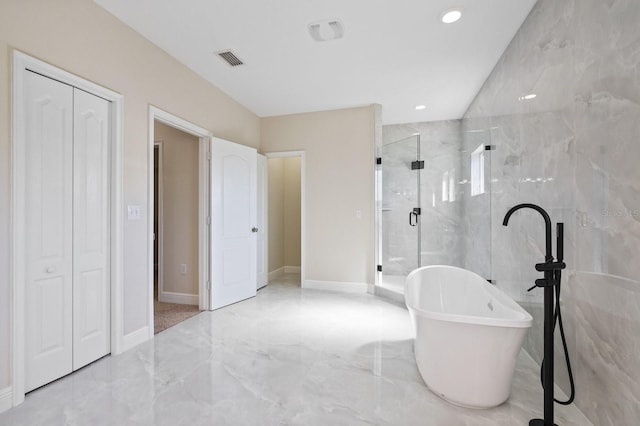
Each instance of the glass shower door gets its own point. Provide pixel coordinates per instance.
(400, 215)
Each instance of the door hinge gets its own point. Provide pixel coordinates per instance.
(208, 220)
(417, 210)
(417, 165)
(379, 160)
(208, 285)
(209, 155)
(489, 147)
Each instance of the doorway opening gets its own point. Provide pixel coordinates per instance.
(175, 251)
(179, 220)
(286, 216)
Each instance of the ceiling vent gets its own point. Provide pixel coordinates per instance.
(326, 30)
(230, 58)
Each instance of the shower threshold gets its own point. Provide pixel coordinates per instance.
(393, 283)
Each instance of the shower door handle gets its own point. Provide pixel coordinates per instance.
(412, 215)
(415, 213)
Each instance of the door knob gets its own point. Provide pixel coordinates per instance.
(50, 269)
(254, 229)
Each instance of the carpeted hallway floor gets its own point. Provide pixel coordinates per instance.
(166, 315)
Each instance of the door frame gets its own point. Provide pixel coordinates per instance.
(158, 238)
(22, 63)
(204, 219)
(263, 181)
(303, 208)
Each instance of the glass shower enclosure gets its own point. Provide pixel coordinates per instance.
(433, 201)
(400, 211)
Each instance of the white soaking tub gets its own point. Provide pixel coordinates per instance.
(468, 335)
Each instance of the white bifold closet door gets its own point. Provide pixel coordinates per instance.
(67, 318)
(91, 192)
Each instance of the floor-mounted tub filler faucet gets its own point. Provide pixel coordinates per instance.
(551, 281)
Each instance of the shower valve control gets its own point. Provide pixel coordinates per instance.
(543, 282)
(550, 266)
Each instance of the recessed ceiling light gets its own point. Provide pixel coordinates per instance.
(527, 97)
(451, 16)
(420, 107)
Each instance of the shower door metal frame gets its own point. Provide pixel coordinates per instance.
(419, 201)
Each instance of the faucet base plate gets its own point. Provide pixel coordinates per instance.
(538, 422)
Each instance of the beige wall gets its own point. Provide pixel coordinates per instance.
(180, 192)
(291, 210)
(82, 38)
(276, 213)
(284, 212)
(339, 169)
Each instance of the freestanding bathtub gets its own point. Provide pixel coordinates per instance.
(468, 335)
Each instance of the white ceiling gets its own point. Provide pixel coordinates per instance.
(394, 52)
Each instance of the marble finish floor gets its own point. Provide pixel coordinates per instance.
(286, 357)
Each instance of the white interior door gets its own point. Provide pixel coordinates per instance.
(262, 260)
(48, 229)
(233, 223)
(91, 289)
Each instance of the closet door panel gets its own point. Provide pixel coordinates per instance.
(91, 295)
(48, 229)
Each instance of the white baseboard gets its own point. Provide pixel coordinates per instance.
(340, 286)
(6, 399)
(275, 274)
(135, 338)
(181, 298)
(291, 269)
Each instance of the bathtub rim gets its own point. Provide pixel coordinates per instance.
(525, 322)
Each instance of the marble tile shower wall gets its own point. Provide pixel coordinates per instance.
(440, 144)
(440, 151)
(475, 221)
(574, 150)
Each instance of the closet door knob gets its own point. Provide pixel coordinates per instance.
(254, 229)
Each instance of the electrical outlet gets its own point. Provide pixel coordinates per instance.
(183, 268)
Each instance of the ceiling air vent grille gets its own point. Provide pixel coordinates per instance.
(230, 58)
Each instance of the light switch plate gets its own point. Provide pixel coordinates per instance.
(133, 212)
